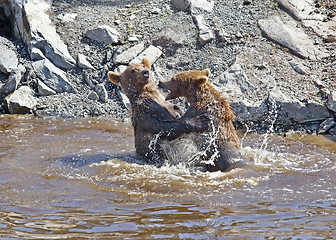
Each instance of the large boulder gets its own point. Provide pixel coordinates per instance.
(52, 76)
(8, 59)
(291, 37)
(21, 101)
(33, 25)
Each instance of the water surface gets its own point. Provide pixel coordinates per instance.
(70, 179)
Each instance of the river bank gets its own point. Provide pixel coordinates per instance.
(275, 61)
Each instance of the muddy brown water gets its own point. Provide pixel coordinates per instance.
(79, 179)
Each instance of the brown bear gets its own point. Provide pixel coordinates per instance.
(150, 129)
(219, 144)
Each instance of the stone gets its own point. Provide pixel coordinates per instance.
(291, 110)
(194, 5)
(8, 59)
(104, 34)
(297, 67)
(93, 96)
(34, 26)
(82, 62)
(13, 81)
(52, 76)
(235, 80)
(44, 90)
(36, 54)
(126, 56)
(152, 53)
(206, 5)
(331, 104)
(289, 36)
(67, 17)
(124, 99)
(326, 125)
(20, 101)
(102, 93)
(301, 9)
(205, 35)
(173, 35)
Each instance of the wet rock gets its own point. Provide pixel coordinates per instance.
(173, 36)
(13, 81)
(82, 62)
(52, 76)
(290, 37)
(331, 105)
(44, 90)
(126, 56)
(290, 110)
(152, 53)
(21, 101)
(299, 68)
(8, 59)
(326, 126)
(104, 34)
(102, 93)
(205, 35)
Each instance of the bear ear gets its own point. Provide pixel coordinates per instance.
(206, 72)
(146, 62)
(114, 77)
(201, 80)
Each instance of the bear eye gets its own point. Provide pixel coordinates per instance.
(133, 70)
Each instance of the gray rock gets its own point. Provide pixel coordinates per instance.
(126, 56)
(124, 99)
(102, 93)
(301, 9)
(173, 36)
(13, 81)
(44, 90)
(235, 80)
(8, 59)
(290, 37)
(36, 54)
(326, 126)
(67, 17)
(52, 76)
(33, 25)
(93, 96)
(194, 5)
(104, 34)
(152, 53)
(298, 67)
(82, 62)
(205, 35)
(331, 105)
(21, 101)
(120, 68)
(289, 110)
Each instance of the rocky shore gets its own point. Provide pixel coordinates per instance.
(274, 60)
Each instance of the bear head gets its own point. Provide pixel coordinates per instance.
(183, 83)
(135, 79)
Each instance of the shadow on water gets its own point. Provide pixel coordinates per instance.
(79, 160)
